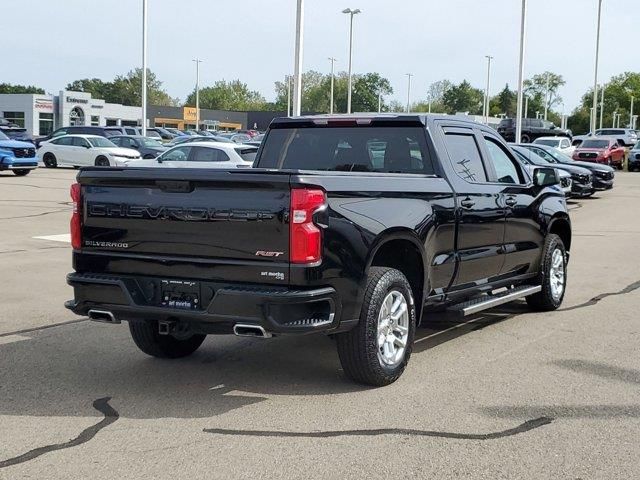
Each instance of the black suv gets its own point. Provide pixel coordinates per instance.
(532, 128)
(81, 130)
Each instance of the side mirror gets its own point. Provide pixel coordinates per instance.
(545, 177)
(159, 159)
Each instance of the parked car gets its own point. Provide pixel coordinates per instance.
(525, 156)
(202, 155)
(532, 128)
(560, 143)
(634, 158)
(321, 239)
(581, 178)
(80, 130)
(252, 133)
(16, 156)
(148, 147)
(624, 136)
(175, 131)
(206, 133)
(236, 137)
(83, 150)
(603, 175)
(189, 138)
(601, 150)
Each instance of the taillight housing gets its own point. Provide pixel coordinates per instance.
(76, 216)
(305, 237)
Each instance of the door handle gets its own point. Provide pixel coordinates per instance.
(511, 201)
(467, 203)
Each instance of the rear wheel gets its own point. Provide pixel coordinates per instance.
(50, 160)
(377, 350)
(552, 276)
(147, 338)
(525, 138)
(102, 162)
(21, 173)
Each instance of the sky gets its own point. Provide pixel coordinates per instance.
(49, 43)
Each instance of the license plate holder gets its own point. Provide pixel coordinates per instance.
(180, 294)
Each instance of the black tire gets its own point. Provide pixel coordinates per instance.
(358, 348)
(544, 301)
(146, 337)
(148, 156)
(21, 173)
(102, 162)
(50, 160)
(525, 138)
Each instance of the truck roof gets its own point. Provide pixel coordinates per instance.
(366, 118)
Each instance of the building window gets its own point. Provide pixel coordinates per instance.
(15, 117)
(129, 123)
(45, 123)
(95, 120)
(112, 122)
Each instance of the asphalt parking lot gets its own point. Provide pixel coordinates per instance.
(508, 394)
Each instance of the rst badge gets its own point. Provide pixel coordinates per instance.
(264, 253)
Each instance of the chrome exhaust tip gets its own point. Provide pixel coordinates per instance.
(246, 330)
(103, 316)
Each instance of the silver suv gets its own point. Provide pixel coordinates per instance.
(624, 136)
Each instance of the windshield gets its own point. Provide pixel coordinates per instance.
(3, 136)
(150, 142)
(595, 144)
(550, 142)
(247, 154)
(100, 142)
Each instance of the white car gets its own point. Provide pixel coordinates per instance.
(624, 136)
(560, 143)
(203, 155)
(84, 150)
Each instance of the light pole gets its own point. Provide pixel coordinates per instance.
(409, 75)
(631, 114)
(332, 60)
(523, 25)
(546, 99)
(351, 13)
(198, 62)
(288, 80)
(615, 113)
(144, 68)
(297, 66)
(602, 104)
(379, 101)
(526, 106)
(595, 74)
(486, 94)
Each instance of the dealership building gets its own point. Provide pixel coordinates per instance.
(41, 114)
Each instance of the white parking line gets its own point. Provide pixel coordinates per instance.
(63, 237)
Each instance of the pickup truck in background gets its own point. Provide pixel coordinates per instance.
(353, 226)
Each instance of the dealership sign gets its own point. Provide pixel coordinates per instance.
(43, 104)
(76, 100)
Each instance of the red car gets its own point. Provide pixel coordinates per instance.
(601, 150)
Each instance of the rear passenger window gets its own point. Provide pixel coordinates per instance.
(465, 157)
(348, 149)
(204, 154)
(505, 167)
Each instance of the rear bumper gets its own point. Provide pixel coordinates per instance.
(278, 310)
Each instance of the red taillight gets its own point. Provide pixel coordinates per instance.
(305, 236)
(76, 217)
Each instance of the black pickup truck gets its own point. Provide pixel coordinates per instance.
(353, 226)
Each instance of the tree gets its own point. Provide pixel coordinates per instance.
(8, 88)
(125, 89)
(316, 92)
(504, 103)
(536, 89)
(463, 98)
(617, 99)
(232, 95)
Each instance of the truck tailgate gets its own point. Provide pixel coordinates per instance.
(225, 224)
